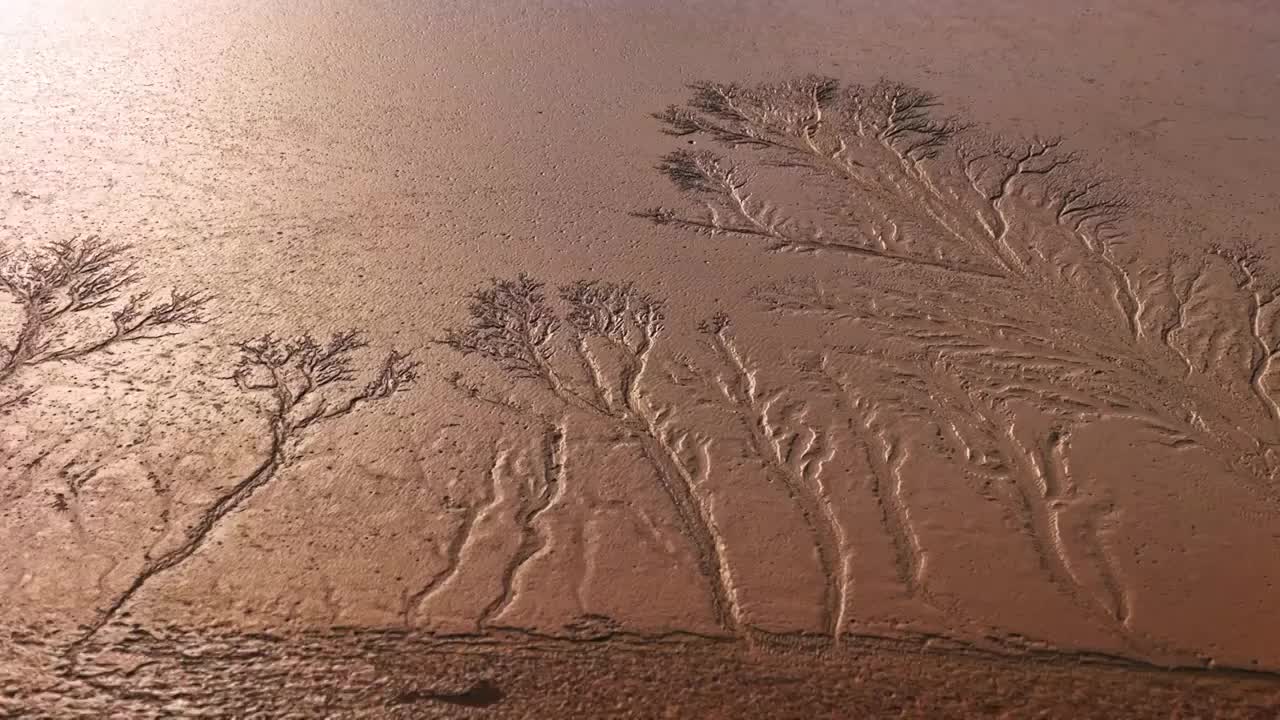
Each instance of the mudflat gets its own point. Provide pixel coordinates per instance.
(609, 359)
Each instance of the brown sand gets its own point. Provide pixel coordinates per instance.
(629, 359)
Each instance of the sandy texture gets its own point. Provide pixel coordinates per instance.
(391, 674)
(639, 360)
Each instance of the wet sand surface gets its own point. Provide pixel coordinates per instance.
(639, 360)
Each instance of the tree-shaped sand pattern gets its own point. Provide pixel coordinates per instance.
(304, 382)
(514, 325)
(68, 294)
(1010, 285)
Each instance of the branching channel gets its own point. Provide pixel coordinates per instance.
(592, 357)
(304, 382)
(1015, 290)
(69, 296)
